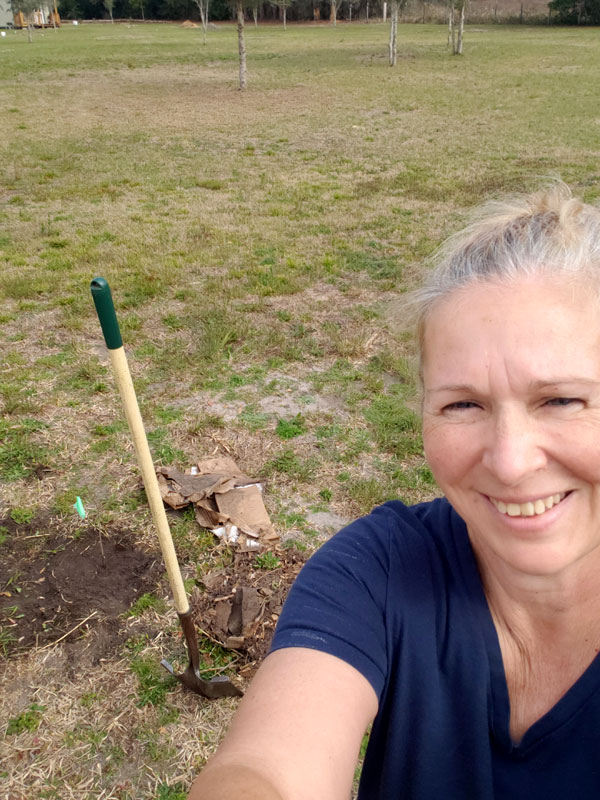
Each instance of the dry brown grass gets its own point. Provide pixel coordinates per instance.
(93, 741)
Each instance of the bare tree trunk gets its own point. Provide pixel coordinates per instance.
(204, 21)
(239, 8)
(451, 34)
(461, 28)
(284, 17)
(255, 15)
(393, 32)
(350, 12)
(384, 10)
(333, 12)
(367, 11)
(29, 31)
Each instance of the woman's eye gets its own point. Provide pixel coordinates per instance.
(461, 405)
(563, 401)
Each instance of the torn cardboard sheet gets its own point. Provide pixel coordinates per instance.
(236, 618)
(224, 498)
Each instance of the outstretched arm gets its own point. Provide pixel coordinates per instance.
(296, 734)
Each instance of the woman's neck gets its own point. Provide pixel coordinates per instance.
(548, 630)
(562, 604)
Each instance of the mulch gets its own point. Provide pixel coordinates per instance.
(239, 604)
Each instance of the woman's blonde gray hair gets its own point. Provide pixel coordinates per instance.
(546, 233)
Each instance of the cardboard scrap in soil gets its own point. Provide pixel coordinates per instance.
(239, 605)
(222, 495)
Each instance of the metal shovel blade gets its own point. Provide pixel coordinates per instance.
(219, 686)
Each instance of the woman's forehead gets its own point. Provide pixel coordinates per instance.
(547, 292)
(533, 320)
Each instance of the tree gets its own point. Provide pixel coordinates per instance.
(239, 13)
(283, 6)
(137, 5)
(109, 5)
(455, 38)
(26, 7)
(333, 8)
(203, 9)
(576, 12)
(395, 7)
(254, 5)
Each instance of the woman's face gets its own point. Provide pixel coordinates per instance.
(512, 419)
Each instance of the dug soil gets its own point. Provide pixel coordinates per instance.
(58, 587)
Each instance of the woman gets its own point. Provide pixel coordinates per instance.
(466, 629)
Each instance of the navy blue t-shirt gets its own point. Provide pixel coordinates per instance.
(398, 596)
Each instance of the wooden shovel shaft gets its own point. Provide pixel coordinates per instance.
(120, 367)
(112, 336)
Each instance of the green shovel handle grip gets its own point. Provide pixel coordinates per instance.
(106, 313)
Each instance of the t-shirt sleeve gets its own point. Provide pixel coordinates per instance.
(338, 602)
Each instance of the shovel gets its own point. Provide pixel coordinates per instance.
(219, 686)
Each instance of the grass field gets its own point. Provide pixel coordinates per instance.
(256, 245)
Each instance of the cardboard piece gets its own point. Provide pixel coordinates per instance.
(222, 495)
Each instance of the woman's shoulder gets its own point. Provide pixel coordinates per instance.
(406, 543)
(394, 526)
(361, 584)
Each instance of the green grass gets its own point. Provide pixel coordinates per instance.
(153, 682)
(20, 452)
(171, 792)
(22, 516)
(289, 428)
(145, 602)
(292, 465)
(26, 721)
(396, 428)
(267, 560)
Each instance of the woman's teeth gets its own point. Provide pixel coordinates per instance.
(529, 509)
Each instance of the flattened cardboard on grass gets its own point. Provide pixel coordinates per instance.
(221, 495)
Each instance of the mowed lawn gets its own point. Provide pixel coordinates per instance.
(257, 245)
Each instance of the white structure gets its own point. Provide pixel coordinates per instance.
(39, 18)
(6, 17)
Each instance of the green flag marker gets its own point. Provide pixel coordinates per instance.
(78, 506)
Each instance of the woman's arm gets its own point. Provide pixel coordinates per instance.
(296, 734)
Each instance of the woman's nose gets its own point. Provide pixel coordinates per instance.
(514, 449)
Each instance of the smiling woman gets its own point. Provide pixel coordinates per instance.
(512, 426)
(467, 630)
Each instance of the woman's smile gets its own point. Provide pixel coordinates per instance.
(529, 508)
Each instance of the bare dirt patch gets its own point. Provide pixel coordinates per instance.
(53, 586)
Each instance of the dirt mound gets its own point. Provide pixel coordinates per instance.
(239, 605)
(52, 585)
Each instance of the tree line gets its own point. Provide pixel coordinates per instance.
(562, 12)
(220, 10)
